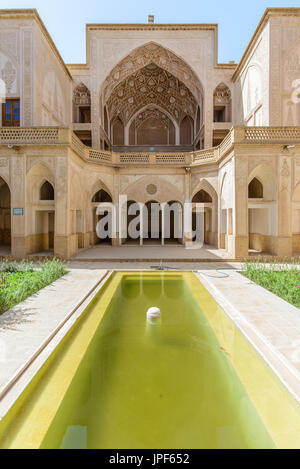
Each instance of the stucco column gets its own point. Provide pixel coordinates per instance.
(283, 244)
(65, 238)
(117, 241)
(18, 198)
(187, 225)
(208, 119)
(238, 242)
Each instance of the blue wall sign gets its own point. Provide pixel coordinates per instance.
(18, 211)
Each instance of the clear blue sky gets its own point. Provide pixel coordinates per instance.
(66, 19)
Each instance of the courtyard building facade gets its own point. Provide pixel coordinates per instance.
(154, 117)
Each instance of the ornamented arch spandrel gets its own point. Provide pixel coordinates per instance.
(158, 55)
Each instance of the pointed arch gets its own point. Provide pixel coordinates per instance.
(186, 131)
(81, 104)
(117, 131)
(46, 191)
(5, 213)
(160, 55)
(98, 186)
(206, 194)
(222, 103)
(255, 189)
(36, 177)
(264, 173)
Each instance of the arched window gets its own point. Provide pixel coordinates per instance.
(222, 104)
(82, 104)
(47, 191)
(101, 196)
(118, 132)
(186, 131)
(255, 189)
(202, 197)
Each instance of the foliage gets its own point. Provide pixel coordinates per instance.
(18, 281)
(281, 278)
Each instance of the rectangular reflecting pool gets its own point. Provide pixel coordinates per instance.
(188, 380)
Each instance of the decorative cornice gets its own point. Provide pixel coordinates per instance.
(228, 66)
(78, 66)
(151, 27)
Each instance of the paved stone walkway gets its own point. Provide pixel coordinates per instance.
(271, 324)
(168, 252)
(24, 328)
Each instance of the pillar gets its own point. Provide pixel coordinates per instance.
(117, 240)
(283, 243)
(18, 197)
(239, 240)
(65, 238)
(187, 225)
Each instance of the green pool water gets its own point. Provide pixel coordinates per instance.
(167, 385)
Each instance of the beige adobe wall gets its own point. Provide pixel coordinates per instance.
(285, 70)
(16, 44)
(52, 85)
(252, 84)
(296, 206)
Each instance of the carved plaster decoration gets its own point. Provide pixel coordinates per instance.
(152, 53)
(285, 175)
(285, 171)
(151, 85)
(152, 112)
(81, 95)
(9, 75)
(222, 95)
(151, 189)
(3, 162)
(27, 44)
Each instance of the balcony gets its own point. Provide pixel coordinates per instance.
(21, 137)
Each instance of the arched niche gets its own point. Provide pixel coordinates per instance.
(117, 131)
(81, 104)
(46, 191)
(222, 104)
(5, 214)
(101, 196)
(151, 75)
(255, 189)
(186, 131)
(202, 197)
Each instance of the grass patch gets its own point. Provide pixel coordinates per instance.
(283, 279)
(18, 281)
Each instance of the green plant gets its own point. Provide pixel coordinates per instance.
(281, 278)
(18, 281)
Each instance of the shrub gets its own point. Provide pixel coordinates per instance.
(18, 281)
(281, 278)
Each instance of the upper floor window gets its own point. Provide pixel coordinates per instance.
(222, 104)
(11, 113)
(81, 105)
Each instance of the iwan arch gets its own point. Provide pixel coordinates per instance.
(154, 116)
